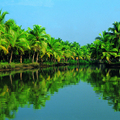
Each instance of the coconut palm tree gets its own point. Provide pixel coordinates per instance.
(85, 54)
(108, 44)
(2, 16)
(17, 42)
(3, 42)
(77, 50)
(95, 50)
(108, 51)
(54, 50)
(115, 37)
(39, 38)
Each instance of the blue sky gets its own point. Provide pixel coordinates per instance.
(72, 20)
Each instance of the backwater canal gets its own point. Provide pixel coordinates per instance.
(61, 93)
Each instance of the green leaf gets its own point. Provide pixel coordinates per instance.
(114, 50)
(119, 27)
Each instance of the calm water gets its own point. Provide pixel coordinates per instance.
(60, 94)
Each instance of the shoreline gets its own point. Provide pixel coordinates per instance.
(23, 66)
(29, 66)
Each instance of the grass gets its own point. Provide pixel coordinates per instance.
(72, 61)
(81, 62)
(27, 63)
(6, 65)
(49, 63)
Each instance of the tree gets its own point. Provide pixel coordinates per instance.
(39, 38)
(17, 42)
(2, 16)
(3, 42)
(54, 49)
(115, 37)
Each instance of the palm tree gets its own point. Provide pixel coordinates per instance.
(39, 38)
(108, 51)
(103, 47)
(85, 54)
(3, 42)
(77, 50)
(2, 16)
(116, 36)
(17, 42)
(54, 50)
(68, 52)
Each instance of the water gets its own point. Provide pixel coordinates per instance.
(67, 94)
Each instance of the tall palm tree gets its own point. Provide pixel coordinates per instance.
(39, 37)
(17, 42)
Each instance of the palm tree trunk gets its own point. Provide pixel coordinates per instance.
(118, 54)
(37, 57)
(33, 57)
(78, 61)
(33, 75)
(21, 76)
(29, 55)
(11, 57)
(54, 60)
(109, 61)
(10, 79)
(20, 58)
(37, 74)
(29, 76)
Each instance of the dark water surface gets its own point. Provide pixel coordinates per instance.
(61, 94)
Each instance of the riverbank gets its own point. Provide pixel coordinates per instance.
(18, 66)
(113, 65)
(24, 66)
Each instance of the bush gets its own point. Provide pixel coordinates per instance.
(84, 61)
(72, 61)
(27, 61)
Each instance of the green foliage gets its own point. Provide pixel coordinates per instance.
(17, 43)
(84, 62)
(26, 61)
(72, 61)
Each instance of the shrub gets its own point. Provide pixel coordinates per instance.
(27, 61)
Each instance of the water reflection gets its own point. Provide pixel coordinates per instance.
(34, 87)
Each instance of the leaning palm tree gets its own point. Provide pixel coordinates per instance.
(3, 33)
(2, 16)
(3, 42)
(17, 42)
